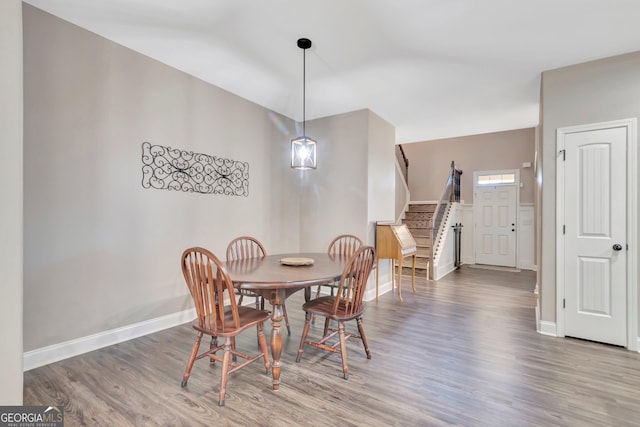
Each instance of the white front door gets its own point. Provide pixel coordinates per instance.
(495, 224)
(594, 227)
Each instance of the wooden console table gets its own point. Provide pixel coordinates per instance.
(395, 242)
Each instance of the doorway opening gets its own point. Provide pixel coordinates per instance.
(495, 216)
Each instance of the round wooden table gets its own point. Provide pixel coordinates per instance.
(274, 281)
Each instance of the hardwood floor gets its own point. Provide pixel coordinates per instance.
(460, 351)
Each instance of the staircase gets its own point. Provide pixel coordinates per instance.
(417, 221)
(421, 217)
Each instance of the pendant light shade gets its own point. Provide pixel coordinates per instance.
(303, 148)
(303, 153)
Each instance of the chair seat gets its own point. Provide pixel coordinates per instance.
(249, 317)
(323, 306)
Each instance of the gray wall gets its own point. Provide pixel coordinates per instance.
(336, 193)
(11, 206)
(597, 91)
(107, 250)
(284, 200)
(430, 161)
(381, 172)
(354, 184)
(102, 251)
(402, 197)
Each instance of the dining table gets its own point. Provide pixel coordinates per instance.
(276, 277)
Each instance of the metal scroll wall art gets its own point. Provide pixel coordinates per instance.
(167, 168)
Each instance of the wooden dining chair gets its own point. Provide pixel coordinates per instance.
(219, 316)
(244, 247)
(345, 305)
(343, 245)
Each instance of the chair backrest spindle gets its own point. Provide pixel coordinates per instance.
(245, 247)
(354, 281)
(344, 245)
(209, 283)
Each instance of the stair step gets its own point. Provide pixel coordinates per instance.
(406, 270)
(416, 224)
(421, 261)
(422, 240)
(423, 252)
(420, 232)
(420, 272)
(417, 216)
(420, 269)
(425, 207)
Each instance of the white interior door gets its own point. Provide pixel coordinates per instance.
(495, 224)
(595, 252)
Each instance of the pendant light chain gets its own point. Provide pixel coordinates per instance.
(304, 96)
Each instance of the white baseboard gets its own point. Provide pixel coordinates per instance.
(547, 328)
(638, 345)
(526, 266)
(544, 327)
(443, 270)
(383, 288)
(53, 353)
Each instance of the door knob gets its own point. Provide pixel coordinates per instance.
(617, 247)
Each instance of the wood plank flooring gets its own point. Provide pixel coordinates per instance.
(461, 351)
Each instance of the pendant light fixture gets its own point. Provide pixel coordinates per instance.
(303, 148)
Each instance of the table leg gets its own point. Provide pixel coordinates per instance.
(276, 339)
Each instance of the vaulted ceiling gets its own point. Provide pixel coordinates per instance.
(432, 68)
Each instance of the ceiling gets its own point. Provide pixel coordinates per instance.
(432, 68)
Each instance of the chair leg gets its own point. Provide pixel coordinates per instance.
(262, 341)
(313, 318)
(192, 358)
(233, 349)
(225, 370)
(363, 337)
(326, 321)
(258, 299)
(286, 318)
(212, 345)
(343, 350)
(305, 331)
(326, 327)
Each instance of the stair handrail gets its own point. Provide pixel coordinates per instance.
(405, 162)
(450, 194)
